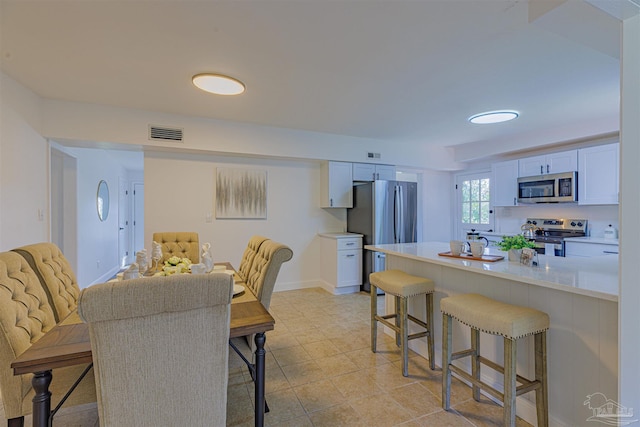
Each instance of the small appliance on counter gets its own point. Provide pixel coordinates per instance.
(473, 236)
(610, 232)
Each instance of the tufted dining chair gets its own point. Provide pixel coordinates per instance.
(183, 244)
(55, 274)
(159, 348)
(25, 316)
(248, 256)
(261, 280)
(265, 268)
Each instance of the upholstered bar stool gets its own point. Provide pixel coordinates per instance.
(511, 322)
(402, 286)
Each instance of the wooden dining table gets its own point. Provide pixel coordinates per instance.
(68, 344)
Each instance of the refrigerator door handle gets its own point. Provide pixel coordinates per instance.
(401, 211)
(398, 215)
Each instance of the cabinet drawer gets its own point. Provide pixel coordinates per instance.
(350, 243)
(589, 249)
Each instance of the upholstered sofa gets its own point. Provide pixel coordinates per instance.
(25, 316)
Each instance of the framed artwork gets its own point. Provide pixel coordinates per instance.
(241, 193)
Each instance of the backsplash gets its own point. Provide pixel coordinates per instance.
(509, 219)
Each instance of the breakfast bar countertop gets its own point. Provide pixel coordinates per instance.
(595, 277)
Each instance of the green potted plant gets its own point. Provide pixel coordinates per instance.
(514, 244)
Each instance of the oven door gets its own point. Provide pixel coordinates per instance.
(558, 248)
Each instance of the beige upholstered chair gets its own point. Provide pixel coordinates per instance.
(160, 349)
(25, 316)
(55, 274)
(183, 244)
(247, 258)
(264, 269)
(262, 279)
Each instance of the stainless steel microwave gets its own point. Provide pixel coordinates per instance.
(550, 188)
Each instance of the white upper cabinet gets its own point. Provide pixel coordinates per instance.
(504, 183)
(372, 172)
(598, 175)
(336, 185)
(565, 161)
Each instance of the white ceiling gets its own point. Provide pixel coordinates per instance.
(402, 71)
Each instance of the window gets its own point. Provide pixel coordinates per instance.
(474, 202)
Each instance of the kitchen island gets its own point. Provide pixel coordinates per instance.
(579, 294)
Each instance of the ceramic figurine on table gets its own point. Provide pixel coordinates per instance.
(207, 259)
(132, 272)
(156, 254)
(141, 260)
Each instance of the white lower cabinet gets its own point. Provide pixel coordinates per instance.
(341, 262)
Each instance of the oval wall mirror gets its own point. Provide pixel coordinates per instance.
(102, 201)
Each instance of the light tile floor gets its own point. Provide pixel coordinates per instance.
(321, 372)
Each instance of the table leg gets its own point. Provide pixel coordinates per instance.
(42, 399)
(259, 380)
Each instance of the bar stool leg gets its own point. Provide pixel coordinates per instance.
(429, 322)
(475, 361)
(374, 313)
(446, 360)
(509, 413)
(404, 335)
(542, 399)
(397, 318)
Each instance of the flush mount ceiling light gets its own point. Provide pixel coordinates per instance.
(218, 84)
(493, 117)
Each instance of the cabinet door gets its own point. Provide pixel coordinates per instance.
(349, 267)
(565, 161)
(598, 175)
(337, 185)
(364, 171)
(504, 183)
(531, 166)
(386, 172)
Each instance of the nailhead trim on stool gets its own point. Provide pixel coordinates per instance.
(402, 286)
(512, 322)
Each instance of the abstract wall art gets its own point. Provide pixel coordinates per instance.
(241, 193)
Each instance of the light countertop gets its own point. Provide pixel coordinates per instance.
(599, 240)
(343, 235)
(596, 277)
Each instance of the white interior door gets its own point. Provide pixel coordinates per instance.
(138, 216)
(123, 222)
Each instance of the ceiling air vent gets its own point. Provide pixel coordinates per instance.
(158, 133)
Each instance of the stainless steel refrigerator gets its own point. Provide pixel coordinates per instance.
(383, 212)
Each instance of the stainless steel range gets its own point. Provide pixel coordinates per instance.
(550, 233)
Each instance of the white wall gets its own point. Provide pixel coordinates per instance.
(437, 205)
(97, 240)
(179, 194)
(24, 183)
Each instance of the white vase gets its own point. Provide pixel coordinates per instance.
(514, 255)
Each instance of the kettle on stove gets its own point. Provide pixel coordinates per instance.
(529, 230)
